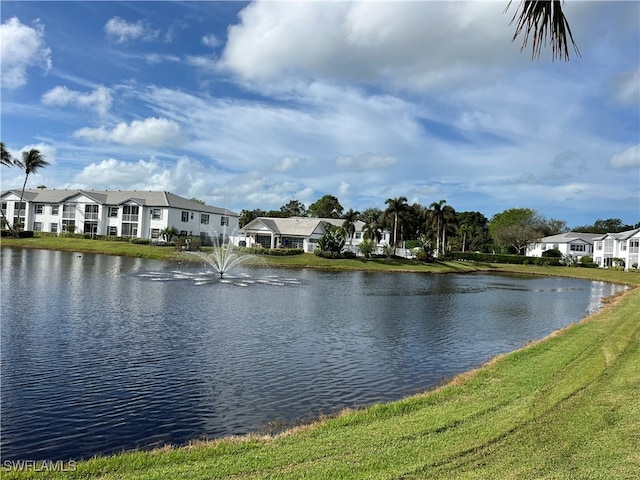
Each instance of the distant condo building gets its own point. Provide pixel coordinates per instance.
(126, 213)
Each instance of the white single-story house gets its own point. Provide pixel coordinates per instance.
(622, 245)
(141, 214)
(570, 243)
(296, 232)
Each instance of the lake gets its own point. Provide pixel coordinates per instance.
(102, 354)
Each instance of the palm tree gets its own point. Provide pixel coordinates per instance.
(547, 21)
(441, 217)
(30, 163)
(7, 159)
(464, 231)
(349, 224)
(395, 207)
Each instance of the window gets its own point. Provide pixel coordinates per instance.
(4, 207)
(543, 246)
(129, 229)
(183, 233)
(90, 213)
(574, 247)
(91, 227)
(634, 245)
(68, 212)
(39, 209)
(599, 245)
(130, 213)
(113, 231)
(358, 235)
(191, 215)
(68, 225)
(55, 209)
(156, 213)
(204, 218)
(623, 246)
(224, 221)
(54, 228)
(113, 212)
(155, 233)
(37, 226)
(185, 216)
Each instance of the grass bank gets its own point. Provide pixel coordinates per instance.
(565, 407)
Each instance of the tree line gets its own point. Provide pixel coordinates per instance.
(438, 227)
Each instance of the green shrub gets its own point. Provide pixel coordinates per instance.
(552, 253)
(504, 258)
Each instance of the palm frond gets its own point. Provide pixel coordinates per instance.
(545, 21)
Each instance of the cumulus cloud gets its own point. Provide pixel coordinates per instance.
(151, 132)
(413, 45)
(22, 47)
(121, 31)
(99, 100)
(628, 158)
(366, 161)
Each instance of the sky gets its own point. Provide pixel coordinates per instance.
(249, 105)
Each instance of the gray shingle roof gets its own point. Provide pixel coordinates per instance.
(118, 197)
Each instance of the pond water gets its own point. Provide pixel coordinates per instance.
(102, 354)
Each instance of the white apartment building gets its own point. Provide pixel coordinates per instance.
(140, 214)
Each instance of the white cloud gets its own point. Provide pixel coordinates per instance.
(344, 189)
(121, 31)
(210, 41)
(412, 45)
(22, 47)
(99, 100)
(151, 132)
(629, 158)
(628, 88)
(287, 163)
(366, 161)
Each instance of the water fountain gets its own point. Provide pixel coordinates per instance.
(223, 257)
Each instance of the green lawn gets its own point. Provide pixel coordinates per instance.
(567, 407)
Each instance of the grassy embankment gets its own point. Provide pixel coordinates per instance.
(566, 407)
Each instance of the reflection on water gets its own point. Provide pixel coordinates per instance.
(101, 354)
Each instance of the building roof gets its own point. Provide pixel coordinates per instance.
(570, 237)
(118, 197)
(620, 235)
(292, 226)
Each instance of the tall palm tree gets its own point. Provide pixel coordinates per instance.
(441, 217)
(547, 22)
(465, 231)
(395, 207)
(7, 161)
(30, 163)
(349, 224)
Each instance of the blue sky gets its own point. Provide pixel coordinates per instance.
(250, 105)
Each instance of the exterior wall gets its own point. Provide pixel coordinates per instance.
(609, 247)
(577, 247)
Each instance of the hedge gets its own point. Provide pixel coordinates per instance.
(501, 258)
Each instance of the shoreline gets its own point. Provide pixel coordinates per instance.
(156, 459)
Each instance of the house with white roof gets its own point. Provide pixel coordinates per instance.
(297, 232)
(623, 245)
(570, 243)
(139, 214)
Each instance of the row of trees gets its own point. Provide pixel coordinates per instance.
(438, 227)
